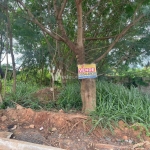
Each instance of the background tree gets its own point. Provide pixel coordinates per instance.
(43, 53)
(9, 39)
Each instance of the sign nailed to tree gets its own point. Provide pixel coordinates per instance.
(87, 71)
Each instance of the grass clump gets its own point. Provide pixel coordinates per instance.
(23, 96)
(70, 98)
(115, 102)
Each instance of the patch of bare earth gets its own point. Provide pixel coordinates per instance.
(47, 94)
(67, 131)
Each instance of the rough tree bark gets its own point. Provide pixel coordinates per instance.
(88, 95)
(88, 86)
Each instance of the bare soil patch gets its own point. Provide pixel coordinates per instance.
(67, 131)
(46, 94)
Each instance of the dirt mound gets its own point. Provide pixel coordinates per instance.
(47, 94)
(67, 131)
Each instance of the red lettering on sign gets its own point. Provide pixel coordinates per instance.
(86, 70)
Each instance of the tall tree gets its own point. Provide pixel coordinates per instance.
(11, 49)
(9, 44)
(107, 23)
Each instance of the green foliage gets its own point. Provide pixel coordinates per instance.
(131, 77)
(35, 75)
(139, 77)
(115, 102)
(23, 96)
(145, 72)
(69, 97)
(100, 19)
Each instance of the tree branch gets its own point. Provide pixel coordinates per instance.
(55, 8)
(62, 8)
(93, 8)
(124, 31)
(59, 19)
(138, 7)
(79, 2)
(125, 58)
(58, 15)
(80, 26)
(33, 19)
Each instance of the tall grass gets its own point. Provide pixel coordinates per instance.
(23, 96)
(70, 98)
(115, 102)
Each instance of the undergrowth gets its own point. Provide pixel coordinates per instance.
(70, 98)
(114, 103)
(23, 96)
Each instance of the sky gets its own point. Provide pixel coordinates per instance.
(9, 59)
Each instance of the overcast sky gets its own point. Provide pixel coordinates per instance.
(9, 59)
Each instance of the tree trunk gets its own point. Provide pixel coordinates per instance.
(88, 95)
(88, 86)
(6, 71)
(14, 69)
(88, 90)
(11, 50)
(1, 99)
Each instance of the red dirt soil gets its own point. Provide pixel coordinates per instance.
(69, 131)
